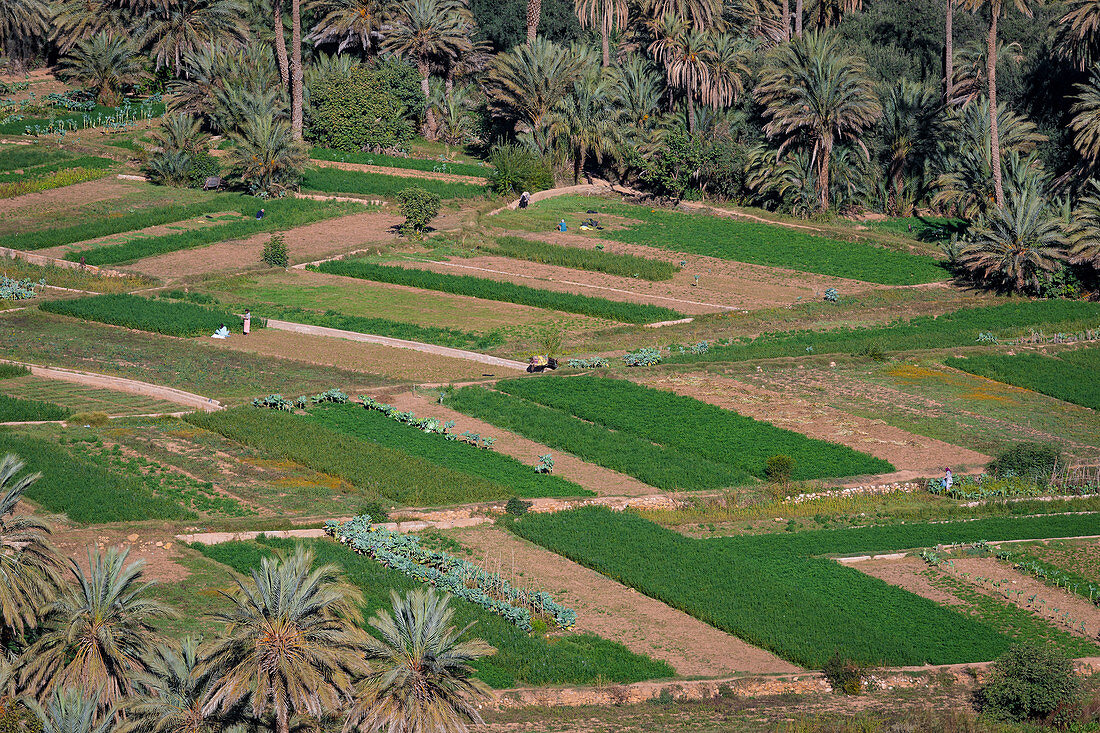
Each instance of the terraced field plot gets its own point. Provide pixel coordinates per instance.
(81, 398)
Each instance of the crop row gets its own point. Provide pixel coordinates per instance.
(520, 658)
(454, 575)
(960, 328)
(146, 314)
(68, 162)
(76, 279)
(335, 180)
(374, 469)
(663, 467)
(391, 161)
(770, 591)
(456, 455)
(451, 337)
(692, 426)
(58, 179)
(84, 492)
(546, 253)
(1071, 376)
(18, 409)
(279, 214)
(479, 287)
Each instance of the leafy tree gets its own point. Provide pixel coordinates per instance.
(290, 644)
(503, 23)
(422, 674)
(266, 157)
(419, 207)
(100, 631)
(171, 692)
(1028, 682)
(107, 65)
(815, 91)
(353, 111)
(676, 163)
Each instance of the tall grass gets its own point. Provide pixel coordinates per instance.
(576, 258)
(335, 181)
(59, 179)
(147, 314)
(479, 287)
(67, 277)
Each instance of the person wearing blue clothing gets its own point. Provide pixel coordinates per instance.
(562, 227)
(260, 214)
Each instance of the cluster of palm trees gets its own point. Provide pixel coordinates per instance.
(84, 656)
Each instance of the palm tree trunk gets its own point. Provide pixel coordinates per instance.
(690, 112)
(282, 719)
(994, 132)
(949, 53)
(429, 115)
(605, 40)
(578, 164)
(823, 172)
(280, 45)
(798, 18)
(786, 20)
(534, 11)
(296, 112)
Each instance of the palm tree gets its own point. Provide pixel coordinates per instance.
(297, 98)
(587, 122)
(78, 20)
(192, 24)
(534, 14)
(21, 22)
(281, 56)
(428, 32)
(607, 15)
(351, 23)
(701, 15)
(949, 50)
(421, 680)
(226, 86)
(1080, 31)
(266, 157)
(1086, 117)
(1019, 243)
(996, 10)
(106, 65)
(29, 564)
(172, 692)
(831, 12)
(911, 116)
(726, 61)
(454, 114)
(815, 91)
(291, 644)
(70, 711)
(180, 132)
(1084, 231)
(100, 630)
(528, 82)
(684, 53)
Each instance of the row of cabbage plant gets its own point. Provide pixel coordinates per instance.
(427, 424)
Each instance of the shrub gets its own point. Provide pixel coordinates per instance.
(779, 468)
(377, 511)
(1033, 461)
(275, 252)
(94, 419)
(517, 169)
(419, 207)
(351, 110)
(517, 507)
(845, 675)
(1028, 682)
(7, 371)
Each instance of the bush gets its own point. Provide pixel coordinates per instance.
(7, 371)
(275, 252)
(1032, 461)
(517, 169)
(203, 166)
(419, 207)
(517, 507)
(1028, 682)
(845, 675)
(779, 468)
(93, 419)
(377, 511)
(354, 111)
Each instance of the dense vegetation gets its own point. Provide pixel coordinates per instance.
(1070, 375)
(692, 427)
(771, 591)
(392, 161)
(480, 287)
(664, 467)
(336, 180)
(18, 409)
(146, 314)
(582, 259)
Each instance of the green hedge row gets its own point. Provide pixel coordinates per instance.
(173, 318)
(480, 287)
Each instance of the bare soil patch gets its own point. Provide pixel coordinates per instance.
(907, 573)
(402, 172)
(156, 547)
(305, 244)
(79, 193)
(614, 611)
(907, 451)
(603, 481)
(1078, 556)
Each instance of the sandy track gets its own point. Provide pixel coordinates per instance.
(614, 611)
(603, 481)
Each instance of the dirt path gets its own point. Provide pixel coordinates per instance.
(495, 361)
(402, 172)
(122, 384)
(912, 454)
(304, 243)
(603, 481)
(614, 611)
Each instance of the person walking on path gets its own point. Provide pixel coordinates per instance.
(247, 321)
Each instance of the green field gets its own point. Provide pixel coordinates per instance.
(774, 592)
(520, 658)
(18, 409)
(1073, 376)
(336, 181)
(392, 161)
(729, 239)
(691, 426)
(147, 314)
(576, 258)
(479, 287)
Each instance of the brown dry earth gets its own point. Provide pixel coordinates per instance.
(603, 481)
(79, 193)
(416, 366)
(402, 172)
(911, 454)
(156, 548)
(305, 243)
(154, 231)
(614, 611)
(736, 284)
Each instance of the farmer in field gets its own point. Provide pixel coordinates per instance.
(562, 226)
(524, 199)
(247, 321)
(221, 333)
(948, 479)
(260, 214)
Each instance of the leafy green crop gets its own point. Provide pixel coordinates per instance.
(666, 468)
(146, 314)
(390, 161)
(334, 180)
(1073, 376)
(480, 287)
(18, 409)
(692, 427)
(582, 259)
